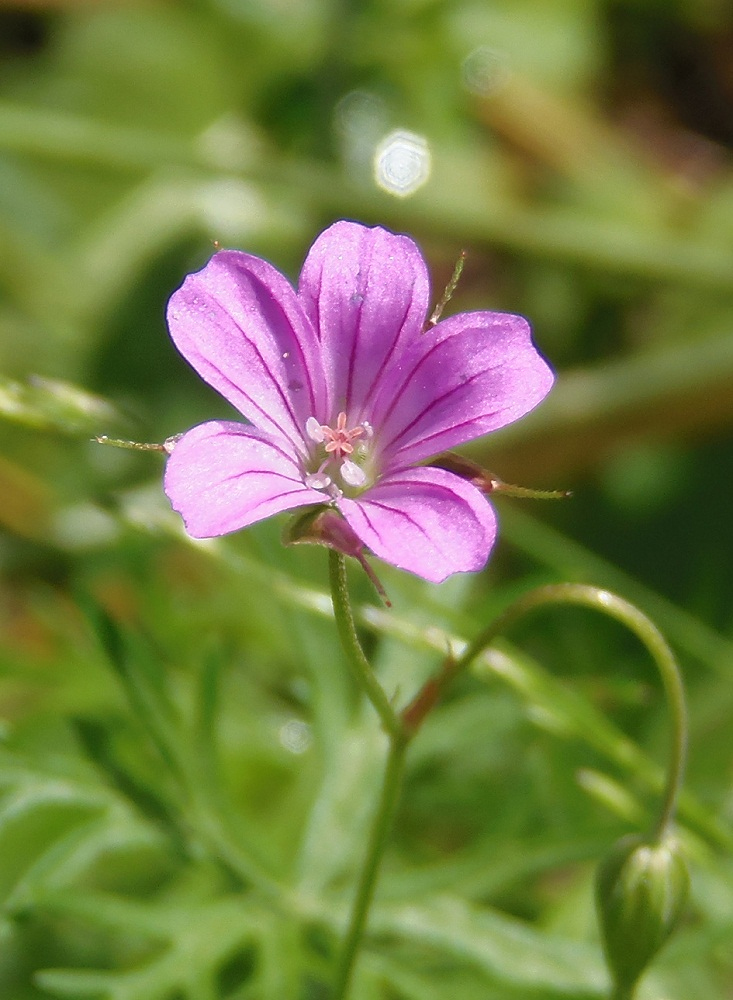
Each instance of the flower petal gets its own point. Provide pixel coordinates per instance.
(239, 324)
(424, 520)
(366, 292)
(222, 476)
(472, 374)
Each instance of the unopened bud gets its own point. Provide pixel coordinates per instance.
(641, 891)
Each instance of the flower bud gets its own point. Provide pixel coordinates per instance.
(641, 891)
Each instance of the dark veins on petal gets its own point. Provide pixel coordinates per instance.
(433, 403)
(403, 514)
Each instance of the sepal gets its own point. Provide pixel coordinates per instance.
(325, 526)
(487, 482)
(166, 446)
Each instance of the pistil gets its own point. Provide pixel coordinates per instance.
(338, 446)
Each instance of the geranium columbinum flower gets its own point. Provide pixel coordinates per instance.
(346, 392)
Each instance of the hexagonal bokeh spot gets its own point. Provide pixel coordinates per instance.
(402, 162)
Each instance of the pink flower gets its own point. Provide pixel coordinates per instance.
(346, 393)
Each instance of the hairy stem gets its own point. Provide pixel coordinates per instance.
(650, 636)
(378, 835)
(622, 993)
(392, 782)
(355, 657)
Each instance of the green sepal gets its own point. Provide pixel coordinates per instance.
(325, 526)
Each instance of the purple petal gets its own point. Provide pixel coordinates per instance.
(239, 324)
(222, 476)
(366, 292)
(472, 374)
(426, 521)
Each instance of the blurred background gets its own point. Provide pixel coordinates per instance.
(580, 152)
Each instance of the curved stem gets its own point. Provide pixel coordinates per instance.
(370, 870)
(355, 657)
(650, 636)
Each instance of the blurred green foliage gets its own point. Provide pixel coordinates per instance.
(185, 770)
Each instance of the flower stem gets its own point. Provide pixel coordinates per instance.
(399, 739)
(355, 657)
(368, 878)
(650, 636)
(622, 993)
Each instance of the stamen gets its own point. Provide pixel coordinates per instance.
(352, 474)
(318, 480)
(337, 443)
(314, 430)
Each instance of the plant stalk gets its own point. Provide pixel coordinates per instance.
(398, 742)
(378, 835)
(355, 657)
(645, 630)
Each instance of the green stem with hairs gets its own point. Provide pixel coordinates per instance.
(401, 727)
(646, 632)
(355, 657)
(378, 835)
(621, 993)
(392, 782)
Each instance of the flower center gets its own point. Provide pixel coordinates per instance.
(337, 455)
